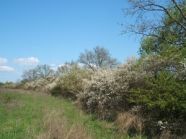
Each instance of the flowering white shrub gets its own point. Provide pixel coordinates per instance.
(108, 90)
(50, 85)
(99, 93)
(39, 84)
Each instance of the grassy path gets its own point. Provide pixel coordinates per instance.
(34, 115)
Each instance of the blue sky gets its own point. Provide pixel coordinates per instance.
(55, 31)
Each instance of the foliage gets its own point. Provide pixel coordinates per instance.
(42, 84)
(168, 27)
(163, 93)
(99, 96)
(108, 90)
(71, 82)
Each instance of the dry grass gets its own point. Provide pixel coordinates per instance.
(57, 127)
(165, 135)
(168, 135)
(127, 122)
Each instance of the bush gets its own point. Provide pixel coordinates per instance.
(144, 83)
(99, 95)
(162, 95)
(50, 85)
(162, 92)
(108, 91)
(39, 84)
(71, 83)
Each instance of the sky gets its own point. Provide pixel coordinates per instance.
(53, 32)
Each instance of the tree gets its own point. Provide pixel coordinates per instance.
(29, 75)
(163, 27)
(41, 71)
(44, 71)
(99, 57)
(163, 21)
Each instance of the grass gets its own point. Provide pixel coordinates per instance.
(35, 115)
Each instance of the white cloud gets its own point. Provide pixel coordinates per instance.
(6, 69)
(27, 61)
(3, 67)
(3, 61)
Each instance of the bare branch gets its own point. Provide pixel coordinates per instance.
(99, 57)
(156, 7)
(147, 26)
(179, 9)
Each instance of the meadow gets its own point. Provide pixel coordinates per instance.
(31, 115)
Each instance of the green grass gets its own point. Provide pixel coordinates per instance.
(21, 116)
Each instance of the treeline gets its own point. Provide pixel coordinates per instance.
(144, 96)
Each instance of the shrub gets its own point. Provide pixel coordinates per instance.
(70, 84)
(163, 92)
(108, 91)
(56, 90)
(99, 95)
(39, 84)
